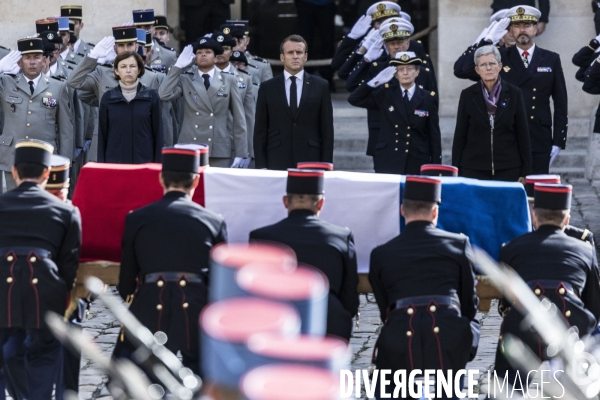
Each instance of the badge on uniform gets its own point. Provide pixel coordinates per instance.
(544, 69)
(506, 69)
(241, 85)
(421, 113)
(49, 102)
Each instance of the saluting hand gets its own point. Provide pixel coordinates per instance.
(498, 31)
(8, 63)
(368, 41)
(361, 27)
(186, 57)
(383, 77)
(103, 47)
(375, 51)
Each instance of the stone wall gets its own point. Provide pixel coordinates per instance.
(460, 22)
(98, 16)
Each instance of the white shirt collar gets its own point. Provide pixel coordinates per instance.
(53, 68)
(227, 69)
(211, 73)
(530, 51)
(411, 91)
(65, 53)
(76, 45)
(299, 75)
(35, 80)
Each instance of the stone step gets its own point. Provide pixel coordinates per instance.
(352, 161)
(570, 158)
(567, 173)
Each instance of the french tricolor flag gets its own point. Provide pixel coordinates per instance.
(490, 213)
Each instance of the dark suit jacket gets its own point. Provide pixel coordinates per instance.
(406, 139)
(281, 139)
(542, 80)
(32, 219)
(173, 234)
(329, 248)
(425, 261)
(476, 148)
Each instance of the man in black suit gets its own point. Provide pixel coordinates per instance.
(424, 284)
(410, 133)
(294, 114)
(165, 255)
(318, 243)
(539, 75)
(40, 241)
(554, 265)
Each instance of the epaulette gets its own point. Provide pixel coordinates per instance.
(245, 72)
(59, 78)
(189, 72)
(5, 48)
(167, 47)
(91, 45)
(71, 62)
(253, 66)
(257, 58)
(69, 67)
(109, 65)
(11, 75)
(433, 93)
(81, 54)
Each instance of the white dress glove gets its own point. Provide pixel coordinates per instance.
(8, 63)
(361, 27)
(103, 47)
(370, 38)
(237, 162)
(498, 31)
(383, 77)
(484, 32)
(110, 57)
(375, 51)
(245, 162)
(554, 153)
(186, 57)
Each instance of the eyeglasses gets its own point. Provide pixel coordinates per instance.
(488, 65)
(406, 69)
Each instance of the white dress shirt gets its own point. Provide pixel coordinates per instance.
(53, 69)
(530, 51)
(35, 80)
(411, 91)
(76, 46)
(65, 53)
(227, 69)
(211, 73)
(288, 83)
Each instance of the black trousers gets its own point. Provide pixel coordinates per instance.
(203, 17)
(540, 163)
(318, 19)
(508, 175)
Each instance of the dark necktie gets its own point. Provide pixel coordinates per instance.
(293, 95)
(525, 60)
(406, 100)
(31, 88)
(206, 78)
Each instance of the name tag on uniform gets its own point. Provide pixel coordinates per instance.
(49, 102)
(421, 113)
(241, 85)
(222, 94)
(544, 69)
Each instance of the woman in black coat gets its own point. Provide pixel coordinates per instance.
(130, 127)
(491, 139)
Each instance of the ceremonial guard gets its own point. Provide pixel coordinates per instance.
(263, 69)
(75, 14)
(555, 266)
(240, 62)
(35, 106)
(424, 284)
(161, 30)
(165, 256)
(325, 246)
(94, 74)
(539, 75)
(209, 96)
(591, 85)
(410, 133)
(243, 81)
(161, 55)
(39, 246)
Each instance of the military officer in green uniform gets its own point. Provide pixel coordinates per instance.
(35, 106)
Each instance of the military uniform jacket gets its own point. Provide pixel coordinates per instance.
(425, 261)
(407, 138)
(243, 81)
(47, 115)
(162, 55)
(542, 80)
(264, 68)
(39, 255)
(63, 70)
(173, 234)
(206, 112)
(344, 50)
(584, 58)
(549, 254)
(83, 49)
(329, 248)
(591, 85)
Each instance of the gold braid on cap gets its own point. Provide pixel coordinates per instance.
(383, 12)
(44, 146)
(394, 33)
(405, 60)
(522, 17)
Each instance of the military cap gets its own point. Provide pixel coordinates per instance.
(438, 170)
(406, 58)
(531, 180)
(552, 196)
(180, 160)
(33, 151)
(239, 56)
(383, 9)
(422, 188)
(240, 23)
(63, 24)
(523, 14)
(124, 34)
(50, 37)
(160, 22)
(208, 43)
(72, 27)
(202, 149)
(33, 45)
(141, 36)
(71, 12)
(234, 30)
(72, 38)
(305, 181)
(59, 172)
(325, 166)
(143, 17)
(405, 16)
(497, 16)
(46, 24)
(392, 30)
(148, 40)
(224, 39)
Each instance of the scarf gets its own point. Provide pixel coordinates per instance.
(491, 98)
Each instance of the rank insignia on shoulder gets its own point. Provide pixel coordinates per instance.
(506, 69)
(391, 108)
(58, 78)
(432, 93)
(422, 113)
